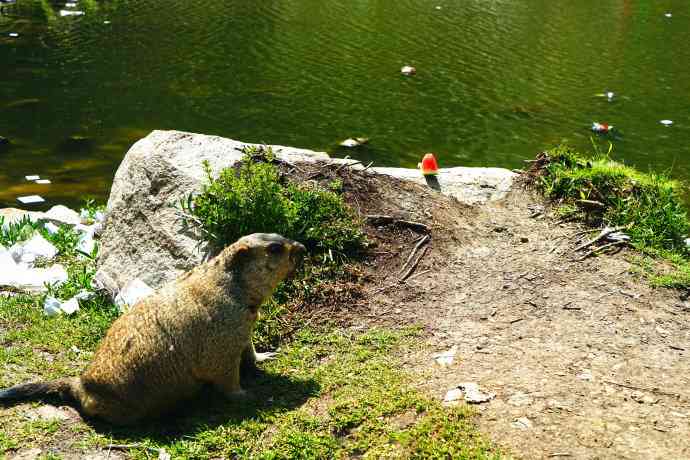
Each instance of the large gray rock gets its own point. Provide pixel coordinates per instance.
(144, 236)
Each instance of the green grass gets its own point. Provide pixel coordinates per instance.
(329, 393)
(650, 204)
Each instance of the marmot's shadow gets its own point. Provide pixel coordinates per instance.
(266, 393)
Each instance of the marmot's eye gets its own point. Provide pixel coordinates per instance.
(275, 248)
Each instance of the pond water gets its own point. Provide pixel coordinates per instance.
(497, 81)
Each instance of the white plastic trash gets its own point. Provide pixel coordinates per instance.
(51, 306)
(70, 306)
(30, 199)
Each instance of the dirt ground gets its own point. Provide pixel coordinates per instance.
(586, 360)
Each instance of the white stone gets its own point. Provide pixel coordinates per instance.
(43, 181)
(62, 215)
(131, 293)
(522, 423)
(51, 228)
(86, 243)
(37, 246)
(666, 122)
(446, 358)
(33, 280)
(32, 177)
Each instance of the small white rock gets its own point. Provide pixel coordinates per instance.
(13, 34)
(666, 122)
(38, 246)
(63, 214)
(51, 228)
(43, 181)
(86, 243)
(131, 293)
(32, 177)
(522, 423)
(446, 358)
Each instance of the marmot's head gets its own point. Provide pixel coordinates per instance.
(259, 262)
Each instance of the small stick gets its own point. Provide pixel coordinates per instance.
(603, 234)
(347, 164)
(600, 248)
(427, 271)
(367, 166)
(414, 265)
(421, 242)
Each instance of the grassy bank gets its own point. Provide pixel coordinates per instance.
(330, 393)
(601, 192)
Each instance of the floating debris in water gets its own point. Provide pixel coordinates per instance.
(43, 181)
(601, 127)
(70, 4)
(438, 7)
(609, 95)
(32, 177)
(29, 199)
(354, 142)
(106, 22)
(668, 15)
(408, 70)
(13, 34)
(71, 13)
(666, 122)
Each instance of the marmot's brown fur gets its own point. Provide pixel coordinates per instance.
(194, 330)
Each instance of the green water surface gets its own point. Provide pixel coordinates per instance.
(497, 81)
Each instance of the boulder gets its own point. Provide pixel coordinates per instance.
(144, 237)
(59, 215)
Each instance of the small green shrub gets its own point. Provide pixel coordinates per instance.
(16, 231)
(255, 198)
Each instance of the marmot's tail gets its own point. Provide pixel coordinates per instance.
(64, 389)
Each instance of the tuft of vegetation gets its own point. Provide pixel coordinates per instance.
(601, 191)
(255, 197)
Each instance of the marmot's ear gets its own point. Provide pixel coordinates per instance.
(238, 259)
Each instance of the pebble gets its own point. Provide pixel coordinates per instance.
(522, 423)
(131, 293)
(446, 358)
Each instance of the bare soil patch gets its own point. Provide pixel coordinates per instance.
(588, 352)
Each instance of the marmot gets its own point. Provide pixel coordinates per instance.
(194, 330)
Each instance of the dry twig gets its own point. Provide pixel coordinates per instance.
(422, 241)
(414, 265)
(603, 234)
(601, 248)
(379, 219)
